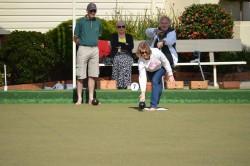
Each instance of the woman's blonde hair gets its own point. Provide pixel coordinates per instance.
(143, 46)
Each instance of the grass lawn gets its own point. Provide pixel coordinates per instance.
(234, 96)
(120, 135)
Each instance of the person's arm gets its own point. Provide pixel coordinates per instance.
(77, 32)
(151, 32)
(166, 65)
(113, 45)
(129, 45)
(75, 39)
(114, 41)
(170, 39)
(142, 79)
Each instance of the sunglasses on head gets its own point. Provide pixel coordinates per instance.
(143, 52)
(123, 26)
(91, 11)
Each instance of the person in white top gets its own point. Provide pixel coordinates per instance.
(164, 38)
(154, 64)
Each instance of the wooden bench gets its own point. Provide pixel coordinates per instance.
(204, 45)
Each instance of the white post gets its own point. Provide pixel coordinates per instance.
(211, 59)
(211, 56)
(74, 45)
(5, 79)
(215, 76)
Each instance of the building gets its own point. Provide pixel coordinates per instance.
(43, 15)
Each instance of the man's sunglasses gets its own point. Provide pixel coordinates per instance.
(91, 11)
(121, 26)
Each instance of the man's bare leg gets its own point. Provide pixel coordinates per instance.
(91, 87)
(79, 91)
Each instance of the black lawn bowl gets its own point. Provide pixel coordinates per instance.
(95, 102)
(142, 105)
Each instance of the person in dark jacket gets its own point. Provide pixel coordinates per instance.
(121, 50)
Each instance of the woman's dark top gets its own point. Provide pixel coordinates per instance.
(125, 47)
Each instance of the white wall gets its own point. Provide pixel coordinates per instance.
(209, 1)
(42, 15)
(242, 31)
(179, 5)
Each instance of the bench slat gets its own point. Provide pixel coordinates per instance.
(213, 63)
(202, 63)
(209, 45)
(204, 45)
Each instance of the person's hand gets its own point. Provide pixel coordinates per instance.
(171, 79)
(119, 48)
(156, 31)
(160, 44)
(142, 97)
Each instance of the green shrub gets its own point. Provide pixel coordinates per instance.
(62, 38)
(108, 27)
(2, 74)
(205, 21)
(29, 56)
(233, 56)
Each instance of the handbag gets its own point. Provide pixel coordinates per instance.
(107, 60)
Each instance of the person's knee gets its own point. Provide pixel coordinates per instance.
(80, 80)
(155, 81)
(93, 78)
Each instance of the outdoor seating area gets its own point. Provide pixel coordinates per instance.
(204, 45)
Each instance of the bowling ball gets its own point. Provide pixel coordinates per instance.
(142, 105)
(95, 102)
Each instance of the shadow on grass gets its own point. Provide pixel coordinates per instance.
(136, 108)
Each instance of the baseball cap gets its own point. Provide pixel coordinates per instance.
(91, 6)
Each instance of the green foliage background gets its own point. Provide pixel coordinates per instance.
(29, 56)
(205, 21)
